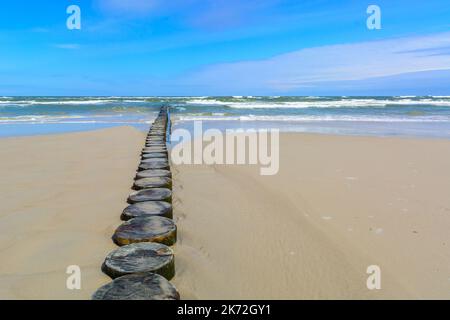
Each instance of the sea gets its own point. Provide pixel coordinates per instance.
(406, 116)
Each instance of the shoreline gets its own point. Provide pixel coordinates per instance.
(143, 128)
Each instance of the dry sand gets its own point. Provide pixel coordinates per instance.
(61, 199)
(338, 205)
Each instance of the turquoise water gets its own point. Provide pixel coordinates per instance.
(427, 116)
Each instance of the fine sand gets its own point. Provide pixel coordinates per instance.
(338, 205)
(61, 199)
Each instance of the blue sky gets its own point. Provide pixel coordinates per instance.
(224, 47)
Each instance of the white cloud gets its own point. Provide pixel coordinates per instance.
(344, 62)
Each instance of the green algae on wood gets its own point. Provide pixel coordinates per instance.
(156, 143)
(155, 160)
(149, 153)
(153, 173)
(156, 138)
(154, 155)
(161, 144)
(154, 165)
(146, 229)
(153, 182)
(140, 286)
(155, 194)
(154, 149)
(139, 258)
(148, 209)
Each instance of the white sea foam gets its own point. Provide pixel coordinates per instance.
(41, 118)
(209, 102)
(134, 101)
(345, 103)
(324, 118)
(118, 118)
(55, 102)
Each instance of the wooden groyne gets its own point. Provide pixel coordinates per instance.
(144, 262)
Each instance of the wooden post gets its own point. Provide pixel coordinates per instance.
(144, 263)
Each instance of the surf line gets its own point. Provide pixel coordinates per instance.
(143, 265)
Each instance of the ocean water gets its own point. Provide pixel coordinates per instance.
(412, 116)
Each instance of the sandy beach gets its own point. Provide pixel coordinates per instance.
(225, 150)
(61, 199)
(338, 205)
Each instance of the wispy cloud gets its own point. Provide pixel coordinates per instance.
(216, 14)
(134, 7)
(221, 14)
(67, 46)
(40, 30)
(345, 62)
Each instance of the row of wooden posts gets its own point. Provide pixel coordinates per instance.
(144, 262)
